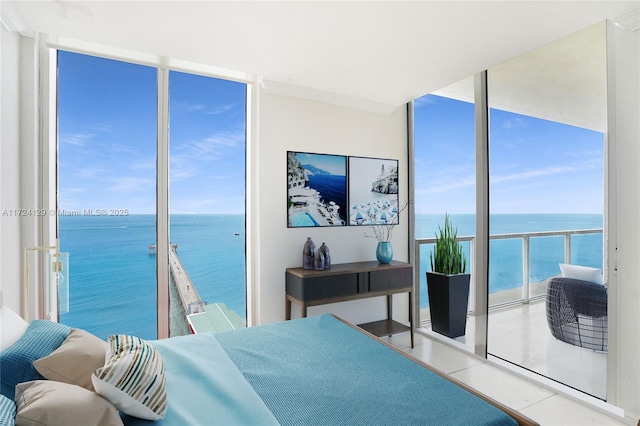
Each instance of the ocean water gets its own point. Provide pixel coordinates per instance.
(331, 188)
(112, 275)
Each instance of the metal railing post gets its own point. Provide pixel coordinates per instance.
(526, 263)
(567, 248)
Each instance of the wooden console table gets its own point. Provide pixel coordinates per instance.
(352, 281)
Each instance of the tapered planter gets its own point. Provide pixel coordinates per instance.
(448, 303)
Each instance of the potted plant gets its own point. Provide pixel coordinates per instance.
(448, 283)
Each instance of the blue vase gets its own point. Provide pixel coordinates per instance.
(384, 252)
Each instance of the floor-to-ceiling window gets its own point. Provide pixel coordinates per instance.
(444, 155)
(207, 177)
(107, 190)
(546, 122)
(107, 193)
(546, 144)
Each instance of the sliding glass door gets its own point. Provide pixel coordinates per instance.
(547, 125)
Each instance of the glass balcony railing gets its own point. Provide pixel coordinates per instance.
(520, 264)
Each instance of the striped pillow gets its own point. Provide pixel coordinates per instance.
(133, 378)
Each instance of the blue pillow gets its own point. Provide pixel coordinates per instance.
(16, 362)
(7, 411)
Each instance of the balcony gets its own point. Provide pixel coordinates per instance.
(518, 333)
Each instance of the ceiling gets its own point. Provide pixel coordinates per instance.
(564, 81)
(373, 55)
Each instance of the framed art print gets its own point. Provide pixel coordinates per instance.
(373, 191)
(316, 189)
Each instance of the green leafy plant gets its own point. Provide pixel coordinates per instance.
(447, 256)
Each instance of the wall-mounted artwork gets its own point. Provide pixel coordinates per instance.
(316, 190)
(373, 191)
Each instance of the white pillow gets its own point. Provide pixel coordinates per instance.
(79, 356)
(46, 402)
(133, 378)
(583, 273)
(12, 327)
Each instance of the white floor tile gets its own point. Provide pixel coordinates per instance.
(442, 357)
(558, 410)
(507, 388)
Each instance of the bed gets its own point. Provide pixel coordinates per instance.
(312, 371)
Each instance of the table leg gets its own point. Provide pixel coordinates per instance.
(411, 316)
(389, 308)
(287, 308)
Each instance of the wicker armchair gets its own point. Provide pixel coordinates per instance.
(577, 312)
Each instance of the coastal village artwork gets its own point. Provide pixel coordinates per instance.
(321, 186)
(317, 189)
(373, 191)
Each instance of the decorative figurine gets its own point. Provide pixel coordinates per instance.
(327, 256)
(308, 254)
(318, 261)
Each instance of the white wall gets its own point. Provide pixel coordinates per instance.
(291, 124)
(10, 263)
(623, 68)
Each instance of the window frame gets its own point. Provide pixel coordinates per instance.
(47, 189)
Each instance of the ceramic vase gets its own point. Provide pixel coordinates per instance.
(384, 252)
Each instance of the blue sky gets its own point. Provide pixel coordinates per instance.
(334, 164)
(107, 148)
(536, 166)
(107, 139)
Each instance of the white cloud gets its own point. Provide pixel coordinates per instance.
(77, 139)
(212, 147)
(131, 184)
(534, 174)
(190, 108)
(90, 172)
(220, 109)
(514, 123)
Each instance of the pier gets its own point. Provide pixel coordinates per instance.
(189, 313)
(152, 248)
(189, 297)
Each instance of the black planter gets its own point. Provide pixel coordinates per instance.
(448, 302)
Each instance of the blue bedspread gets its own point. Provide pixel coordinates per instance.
(319, 371)
(204, 387)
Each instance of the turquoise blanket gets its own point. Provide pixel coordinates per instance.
(319, 371)
(204, 387)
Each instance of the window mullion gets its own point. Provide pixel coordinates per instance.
(162, 205)
(481, 252)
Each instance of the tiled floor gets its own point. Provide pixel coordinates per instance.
(544, 401)
(521, 336)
